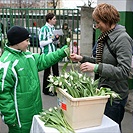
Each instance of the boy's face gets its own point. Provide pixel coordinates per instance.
(23, 45)
(52, 21)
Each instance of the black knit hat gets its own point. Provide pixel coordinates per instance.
(17, 34)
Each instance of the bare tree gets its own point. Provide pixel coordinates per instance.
(27, 4)
(90, 2)
(55, 3)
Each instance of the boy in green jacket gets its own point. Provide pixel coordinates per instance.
(20, 95)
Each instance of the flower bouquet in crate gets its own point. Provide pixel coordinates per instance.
(79, 98)
(78, 94)
(78, 84)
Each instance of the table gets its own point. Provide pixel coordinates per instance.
(107, 126)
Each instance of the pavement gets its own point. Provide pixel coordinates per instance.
(48, 101)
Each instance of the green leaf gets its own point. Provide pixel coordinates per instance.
(64, 67)
(55, 119)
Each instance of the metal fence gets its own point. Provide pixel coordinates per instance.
(34, 19)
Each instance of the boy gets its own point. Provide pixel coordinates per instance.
(48, 44)
(20, 96)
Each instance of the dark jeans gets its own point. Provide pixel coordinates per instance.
(47, 72)
(116, 110)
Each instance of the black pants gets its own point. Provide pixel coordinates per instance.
(47, 72)
(116, 110)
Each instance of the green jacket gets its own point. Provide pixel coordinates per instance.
(20, 95)
(113, 72)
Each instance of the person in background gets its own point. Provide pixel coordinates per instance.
(34, 24)
(1, 37)
(75, 48)
(48, 44)
(8, 25)
(113, 71)
(94, 50)
(1, 32)
(67, 34)
(20, 95)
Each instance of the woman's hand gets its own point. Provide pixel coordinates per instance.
(75, 57)
(87, 67)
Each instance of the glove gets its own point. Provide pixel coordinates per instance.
(55, 39)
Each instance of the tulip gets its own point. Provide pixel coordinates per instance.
(54, 117)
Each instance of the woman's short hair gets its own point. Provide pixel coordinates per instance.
(106, 13)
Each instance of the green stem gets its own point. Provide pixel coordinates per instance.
(72, 65)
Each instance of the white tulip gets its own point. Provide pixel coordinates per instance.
(55, 108)
(80, 75)
(51, 88)
(43, 113)
(55, 83)
(51, 78)
(114, 95)
(69, 84)
(68, 39)
(50, 109)
(60, 83)
(92, 80)
(66, 75)
(84, 78)
(71, 77)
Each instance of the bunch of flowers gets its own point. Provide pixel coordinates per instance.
(54, 117)
(79, 85)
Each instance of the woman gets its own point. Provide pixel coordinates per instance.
(67, 34)
(113, 70)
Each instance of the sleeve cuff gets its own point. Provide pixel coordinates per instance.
(96, 68)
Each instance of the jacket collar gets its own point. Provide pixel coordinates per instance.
(117, 31)
(51, 26)
(12, 50)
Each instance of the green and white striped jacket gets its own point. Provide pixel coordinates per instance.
(45, 37)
